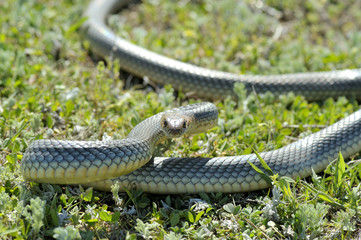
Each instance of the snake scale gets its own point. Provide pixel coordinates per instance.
(101, 164)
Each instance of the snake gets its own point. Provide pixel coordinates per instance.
(130, 163)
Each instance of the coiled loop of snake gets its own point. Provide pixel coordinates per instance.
(206, 83)
(67, 162)
(74, 162)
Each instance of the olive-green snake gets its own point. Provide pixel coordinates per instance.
(73, 162)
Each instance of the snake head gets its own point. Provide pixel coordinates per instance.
(175, 125)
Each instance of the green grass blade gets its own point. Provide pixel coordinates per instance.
(264, 164)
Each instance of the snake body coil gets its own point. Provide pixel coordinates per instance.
(207, 83)
(66, 162)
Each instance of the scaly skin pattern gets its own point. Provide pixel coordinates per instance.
(206, 83)
(70, 162)
(66, 162)
(78, 162)
(75, 162)
(234, 174)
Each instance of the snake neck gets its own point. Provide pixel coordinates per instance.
(149, 130)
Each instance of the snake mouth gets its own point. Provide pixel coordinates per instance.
(174, 133)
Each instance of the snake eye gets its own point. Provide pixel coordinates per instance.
(165, 123)
(184, 124)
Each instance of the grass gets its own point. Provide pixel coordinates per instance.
(50, 88)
